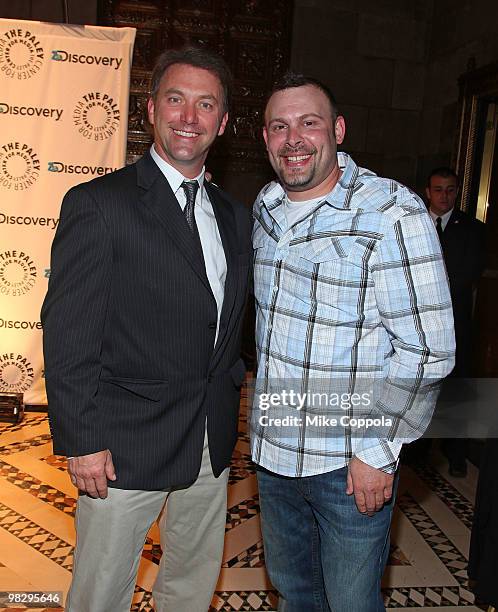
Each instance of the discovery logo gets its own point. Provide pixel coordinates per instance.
(21, 54)
(96, 115)
(48, 222)
(57, 166)
(31, 111)
(5, 324)
(59, 55)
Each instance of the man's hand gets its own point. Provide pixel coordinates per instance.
(90, 473)
(372, 488)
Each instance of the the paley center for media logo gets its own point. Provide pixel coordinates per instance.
(19, 166)
(16, 372)
(31, 111)
(21, 54)
(18, 273)
(96, 115)
(60, 55)
(82, 169)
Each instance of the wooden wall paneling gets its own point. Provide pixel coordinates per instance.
(254, 36)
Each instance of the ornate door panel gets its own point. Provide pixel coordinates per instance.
(252, 35)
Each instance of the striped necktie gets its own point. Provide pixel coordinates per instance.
(190, 188)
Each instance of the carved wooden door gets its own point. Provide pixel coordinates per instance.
(253, 36)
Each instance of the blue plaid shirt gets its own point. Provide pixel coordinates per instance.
(354, 295)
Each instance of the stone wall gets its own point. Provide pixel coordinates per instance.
(373, 57)
(394, 67)
(461, 32)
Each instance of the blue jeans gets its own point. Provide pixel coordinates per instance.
(321, 554)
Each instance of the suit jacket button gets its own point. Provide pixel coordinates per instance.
(212, 326)
(210, 378)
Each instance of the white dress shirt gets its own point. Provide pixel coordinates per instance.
(444, 218)
(212, 247)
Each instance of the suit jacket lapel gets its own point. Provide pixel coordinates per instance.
(160, 199)
(451, 233)
(452, 220)
(228, 232)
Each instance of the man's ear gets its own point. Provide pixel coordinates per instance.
(265, 135)
(223, 124)
(340, 129)
(150, 110)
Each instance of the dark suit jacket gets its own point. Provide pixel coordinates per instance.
(129, 327)
(463, 246)
(483, 554)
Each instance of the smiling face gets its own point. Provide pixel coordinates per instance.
(301, 137)
(187, 115)
(442, 194)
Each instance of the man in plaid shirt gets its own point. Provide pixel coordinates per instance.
(354, 331)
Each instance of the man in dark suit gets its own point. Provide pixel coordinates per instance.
(142, 325)
(463, 244)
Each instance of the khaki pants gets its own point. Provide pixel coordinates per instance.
(111, 533)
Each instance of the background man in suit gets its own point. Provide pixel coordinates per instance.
(142, 325)
(463, 243)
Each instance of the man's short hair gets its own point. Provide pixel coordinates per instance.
(444, 172)
(199, 58)
(295, 79)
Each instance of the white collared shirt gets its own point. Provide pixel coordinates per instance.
(444, 218)
(212, 247)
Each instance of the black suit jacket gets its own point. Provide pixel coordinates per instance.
(463, 245)
(483, 553)
(129, 327)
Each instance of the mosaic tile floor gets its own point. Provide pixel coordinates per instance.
(426, 569)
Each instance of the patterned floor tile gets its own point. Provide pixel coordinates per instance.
(244, 600)
(408, 597)
(54, 609)
(141, 601)
(37, 488)
(251, 557)
(152, 551)
(241, 512)
(56, 461)
(37, 537)
(397, 556)
(54, 550)
(18, 447)
(30, 420)
(241, 466)
(456, 502)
